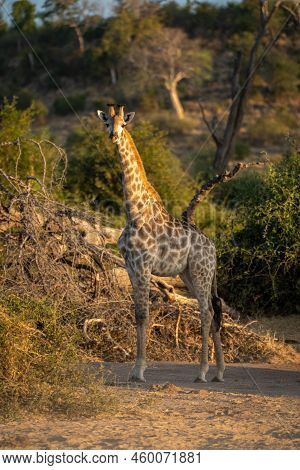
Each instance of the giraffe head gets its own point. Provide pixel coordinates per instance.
(115, 121)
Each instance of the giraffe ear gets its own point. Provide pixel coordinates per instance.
(129, 117)
(102, 115)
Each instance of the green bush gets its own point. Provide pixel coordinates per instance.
(14, 124)
(169, 122)
(94, 172)
(40, 110)
(63, 107)
(25, 98)
(259, 255)
(241, 150)
(282, 74)
(270, 129)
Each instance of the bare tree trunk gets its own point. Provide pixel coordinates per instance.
(175, 101)
(240, 90)
(79, 37)
(113, 75)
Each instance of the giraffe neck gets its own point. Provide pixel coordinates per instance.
(138, 192)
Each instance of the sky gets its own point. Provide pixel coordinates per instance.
(107, 3)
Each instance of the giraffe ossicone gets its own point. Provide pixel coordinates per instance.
(154, 242)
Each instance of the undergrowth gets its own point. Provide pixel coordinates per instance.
(39, 363)
(259, 253)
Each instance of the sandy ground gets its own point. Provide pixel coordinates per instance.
(256, 408)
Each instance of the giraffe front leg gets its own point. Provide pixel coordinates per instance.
(141, 300)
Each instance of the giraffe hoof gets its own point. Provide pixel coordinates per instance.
(200, 380)
(217, 379)
(137, 379)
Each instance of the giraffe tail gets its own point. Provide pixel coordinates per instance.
(217, 304)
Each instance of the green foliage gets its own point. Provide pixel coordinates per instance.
(23, 13)
(272, 128)
(17, 123)
(94, 172)
(27, 100)
(14, 123)
(241, 150)
(76, 102)
(282, 74)
(3, 25)
(169, 122)
(123, 32)
(259, 254)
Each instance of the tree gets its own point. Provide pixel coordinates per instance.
(282, 74)
(76, 14)
(23, 13)
(133, 6)
(116, 41)
(124, 31)
(170, 57)
(3, 24)
(244, 72)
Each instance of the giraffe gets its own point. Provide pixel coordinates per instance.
(154, 242)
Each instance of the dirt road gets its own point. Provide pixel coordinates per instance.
(256, 408)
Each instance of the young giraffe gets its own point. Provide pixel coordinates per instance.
(154, 242)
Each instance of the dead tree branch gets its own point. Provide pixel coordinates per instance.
(206, 188)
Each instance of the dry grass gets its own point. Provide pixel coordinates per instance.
(39, 359)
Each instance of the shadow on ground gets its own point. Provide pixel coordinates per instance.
(262, 379)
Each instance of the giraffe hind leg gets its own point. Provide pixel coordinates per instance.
(195, 285)
(216, 335)
(211, 314)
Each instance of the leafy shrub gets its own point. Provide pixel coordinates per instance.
(170, 123)
(25, 98)
(40, 110)
(14, 124)
(241, 150)
(282, 74)
(76, 102)
(259, 255)
(270, 129)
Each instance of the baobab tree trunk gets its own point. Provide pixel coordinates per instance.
(175, 101)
